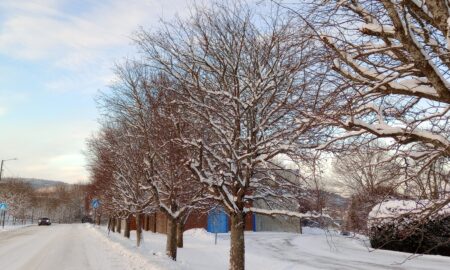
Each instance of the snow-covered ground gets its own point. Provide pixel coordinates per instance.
(10, 227)
(315, 249)
(86, 247)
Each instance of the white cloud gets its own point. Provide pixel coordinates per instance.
(83, 44)
(45, 30)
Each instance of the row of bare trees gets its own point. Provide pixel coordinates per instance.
(210, 103)
(61, 203)
(201, 116)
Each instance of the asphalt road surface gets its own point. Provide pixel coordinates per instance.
(57, 247)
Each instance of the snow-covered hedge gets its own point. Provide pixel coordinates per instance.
(411, 226)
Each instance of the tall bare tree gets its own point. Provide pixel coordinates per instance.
(391, 64)
(174, 186)
(120, 158)
(369, 175)
(246, 80)
(366, 169)
(149, 144)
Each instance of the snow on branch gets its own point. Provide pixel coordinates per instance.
(268, 212)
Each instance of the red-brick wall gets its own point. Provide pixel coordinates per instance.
(196, 220)
(157, 222)
(161, 223)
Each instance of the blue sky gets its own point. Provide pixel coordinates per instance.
(54, 57)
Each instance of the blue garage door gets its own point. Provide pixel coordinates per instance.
(217, 221)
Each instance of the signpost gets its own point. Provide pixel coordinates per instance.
(3, 208)
(95, 204)
(217, 222)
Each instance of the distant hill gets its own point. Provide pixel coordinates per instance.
(37, 183)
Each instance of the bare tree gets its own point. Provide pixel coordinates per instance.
(18, 196)
(366, 169)
(391, 80)
(391, 64)
(149, 145)
(369, 175)
(123, 194)
(246, 81)
(173, 184)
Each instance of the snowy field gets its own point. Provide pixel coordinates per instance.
(312, 250)
(81, 246)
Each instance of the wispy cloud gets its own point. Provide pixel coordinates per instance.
(82, 42)
(59, 53)
(47, 30)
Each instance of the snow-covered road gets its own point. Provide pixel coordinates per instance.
(57, 247)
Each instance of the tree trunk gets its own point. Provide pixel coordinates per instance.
(146, 226)
(119, 225)
(237, 249)
(113, 224)
(171, 244)
(138, 229)
(180, 229)
(154, 223)
(126, 232)
(109, 223)
(300, 226)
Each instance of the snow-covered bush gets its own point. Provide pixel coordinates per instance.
(411, 226)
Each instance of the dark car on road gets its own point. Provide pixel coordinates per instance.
(44, 221)
(87, 219)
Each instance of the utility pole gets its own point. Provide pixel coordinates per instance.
(1, 166)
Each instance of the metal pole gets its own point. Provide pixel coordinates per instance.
(3, 219)
(1, 166)
(1, 170)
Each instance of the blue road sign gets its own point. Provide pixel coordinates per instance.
(95, 203)
(217, 221)
(3, 206)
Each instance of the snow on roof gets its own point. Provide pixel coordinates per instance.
(409, 210)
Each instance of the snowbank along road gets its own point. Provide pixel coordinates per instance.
(57, 247)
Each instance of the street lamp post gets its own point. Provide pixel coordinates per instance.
(1, 166)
